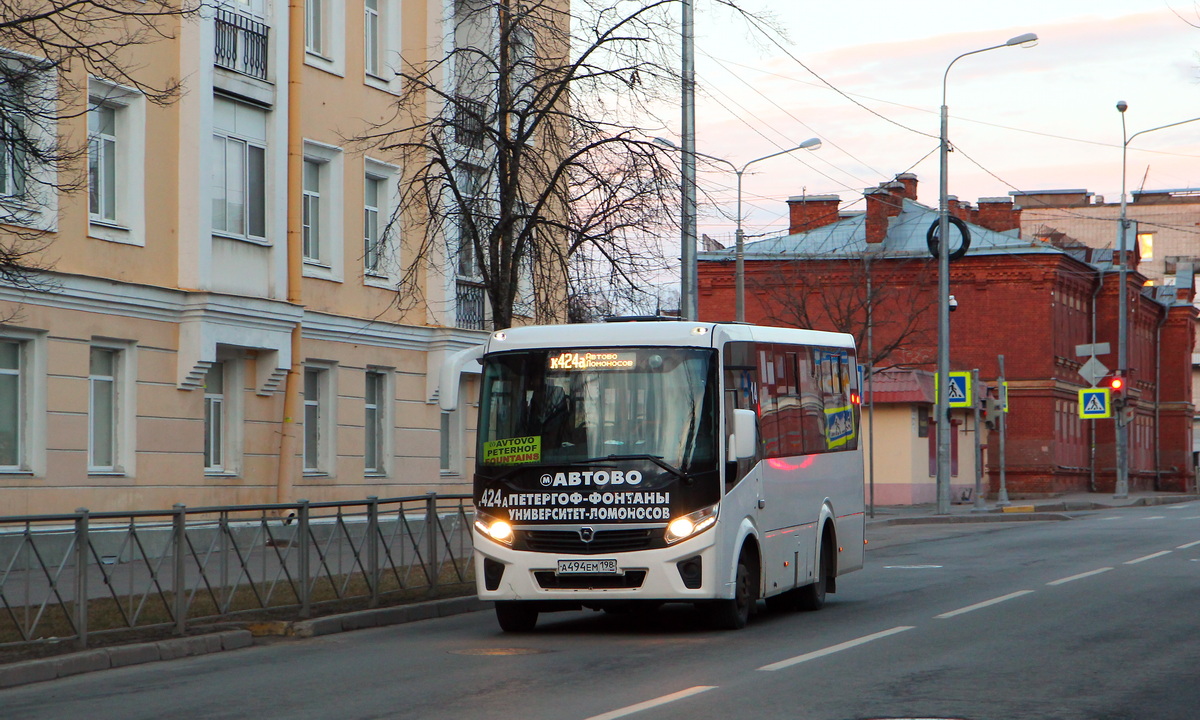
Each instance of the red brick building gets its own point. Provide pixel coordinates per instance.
(1026, 299)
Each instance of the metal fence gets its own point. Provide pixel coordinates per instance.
(74, 577)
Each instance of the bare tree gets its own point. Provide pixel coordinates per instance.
(893, 293)
(48, 51)
(537, 150)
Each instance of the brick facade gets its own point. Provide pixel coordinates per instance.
(1030, 302)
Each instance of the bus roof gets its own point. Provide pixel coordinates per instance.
(681, 333)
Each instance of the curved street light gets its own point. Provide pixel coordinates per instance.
(1122, 482)
(739, 255)
(943, 359)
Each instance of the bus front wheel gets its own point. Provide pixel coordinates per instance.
(516, 616)
(734, 613)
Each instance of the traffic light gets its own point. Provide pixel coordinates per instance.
(1116, 386)
(992, 410)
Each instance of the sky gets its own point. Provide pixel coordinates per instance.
(1020, 118)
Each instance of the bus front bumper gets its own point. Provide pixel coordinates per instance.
(684, 572)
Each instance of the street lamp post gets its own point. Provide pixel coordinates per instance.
(1122, 484)
(943, 358)
(739, 257)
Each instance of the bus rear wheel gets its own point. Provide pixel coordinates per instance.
(812, 597)
(516, 616)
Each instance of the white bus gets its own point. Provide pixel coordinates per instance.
(671, 461)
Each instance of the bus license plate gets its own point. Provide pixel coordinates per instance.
(587, 567)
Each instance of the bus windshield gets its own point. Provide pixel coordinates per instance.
(561, 407)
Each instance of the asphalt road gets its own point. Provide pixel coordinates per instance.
(1096, 618)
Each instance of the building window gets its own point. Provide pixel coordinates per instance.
(322, 211)
(312, 212)
(214, 418)
(1146, 245)
(447, 443)
(12, 141)
(103, 410)
(375, 423)
(318, 420)
(371, 43)
(372, 232)
(12, 397)
(102, 162)
(239, 170)
(314, 30)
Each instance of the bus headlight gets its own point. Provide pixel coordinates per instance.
(686, 526)
(494, 528)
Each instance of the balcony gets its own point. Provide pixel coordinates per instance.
(241, 44)
(469, 306)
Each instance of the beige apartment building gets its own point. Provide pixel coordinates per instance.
(212, 329)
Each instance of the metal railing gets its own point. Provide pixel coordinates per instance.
(241, 44)
(469, 309)
(82, 575)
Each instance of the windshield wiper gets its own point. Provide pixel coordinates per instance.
(656, 459)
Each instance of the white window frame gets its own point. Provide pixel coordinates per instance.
(383, 421)
(311, 225)
(387, 268)
(232, 413)
(325, 35)
(247, 134)
(128, 225)
(31, 401)
(449, 443)
(122, 381)
(319, 442)
(329, 262)
(388, 38)
(34, 204)
(20, 385)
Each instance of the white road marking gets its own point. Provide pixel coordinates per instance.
(985, 603)
(1151, 556)
(1188, 545)
(834, 648)
(1155, 517)
(1080, 576)
(1193, 517)
(1114, 517)
(1179, 506)
(911, 567)
(656, 702)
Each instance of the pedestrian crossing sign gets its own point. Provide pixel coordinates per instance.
(1095, 403)
(959, 393)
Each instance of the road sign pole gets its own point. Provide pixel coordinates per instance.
(1002, 497)
(978, 444)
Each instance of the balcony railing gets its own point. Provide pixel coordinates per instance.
(470, 312)
(241, 44)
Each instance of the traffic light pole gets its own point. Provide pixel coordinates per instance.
(980, 397)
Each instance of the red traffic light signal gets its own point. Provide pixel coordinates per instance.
(1117, 386)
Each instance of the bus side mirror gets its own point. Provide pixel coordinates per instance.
(744, 443)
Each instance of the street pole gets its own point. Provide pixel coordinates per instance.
(978, 442)
(943, 298)
(687, 271)
(1122, 429)
(1002, 496)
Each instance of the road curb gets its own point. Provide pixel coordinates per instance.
(86, 661)
(33, 671)
(973, 518)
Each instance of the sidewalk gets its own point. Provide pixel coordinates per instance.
(1055, 508)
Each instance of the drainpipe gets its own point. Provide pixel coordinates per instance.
(1158, 395)
(289, 440)
(1092, 425)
